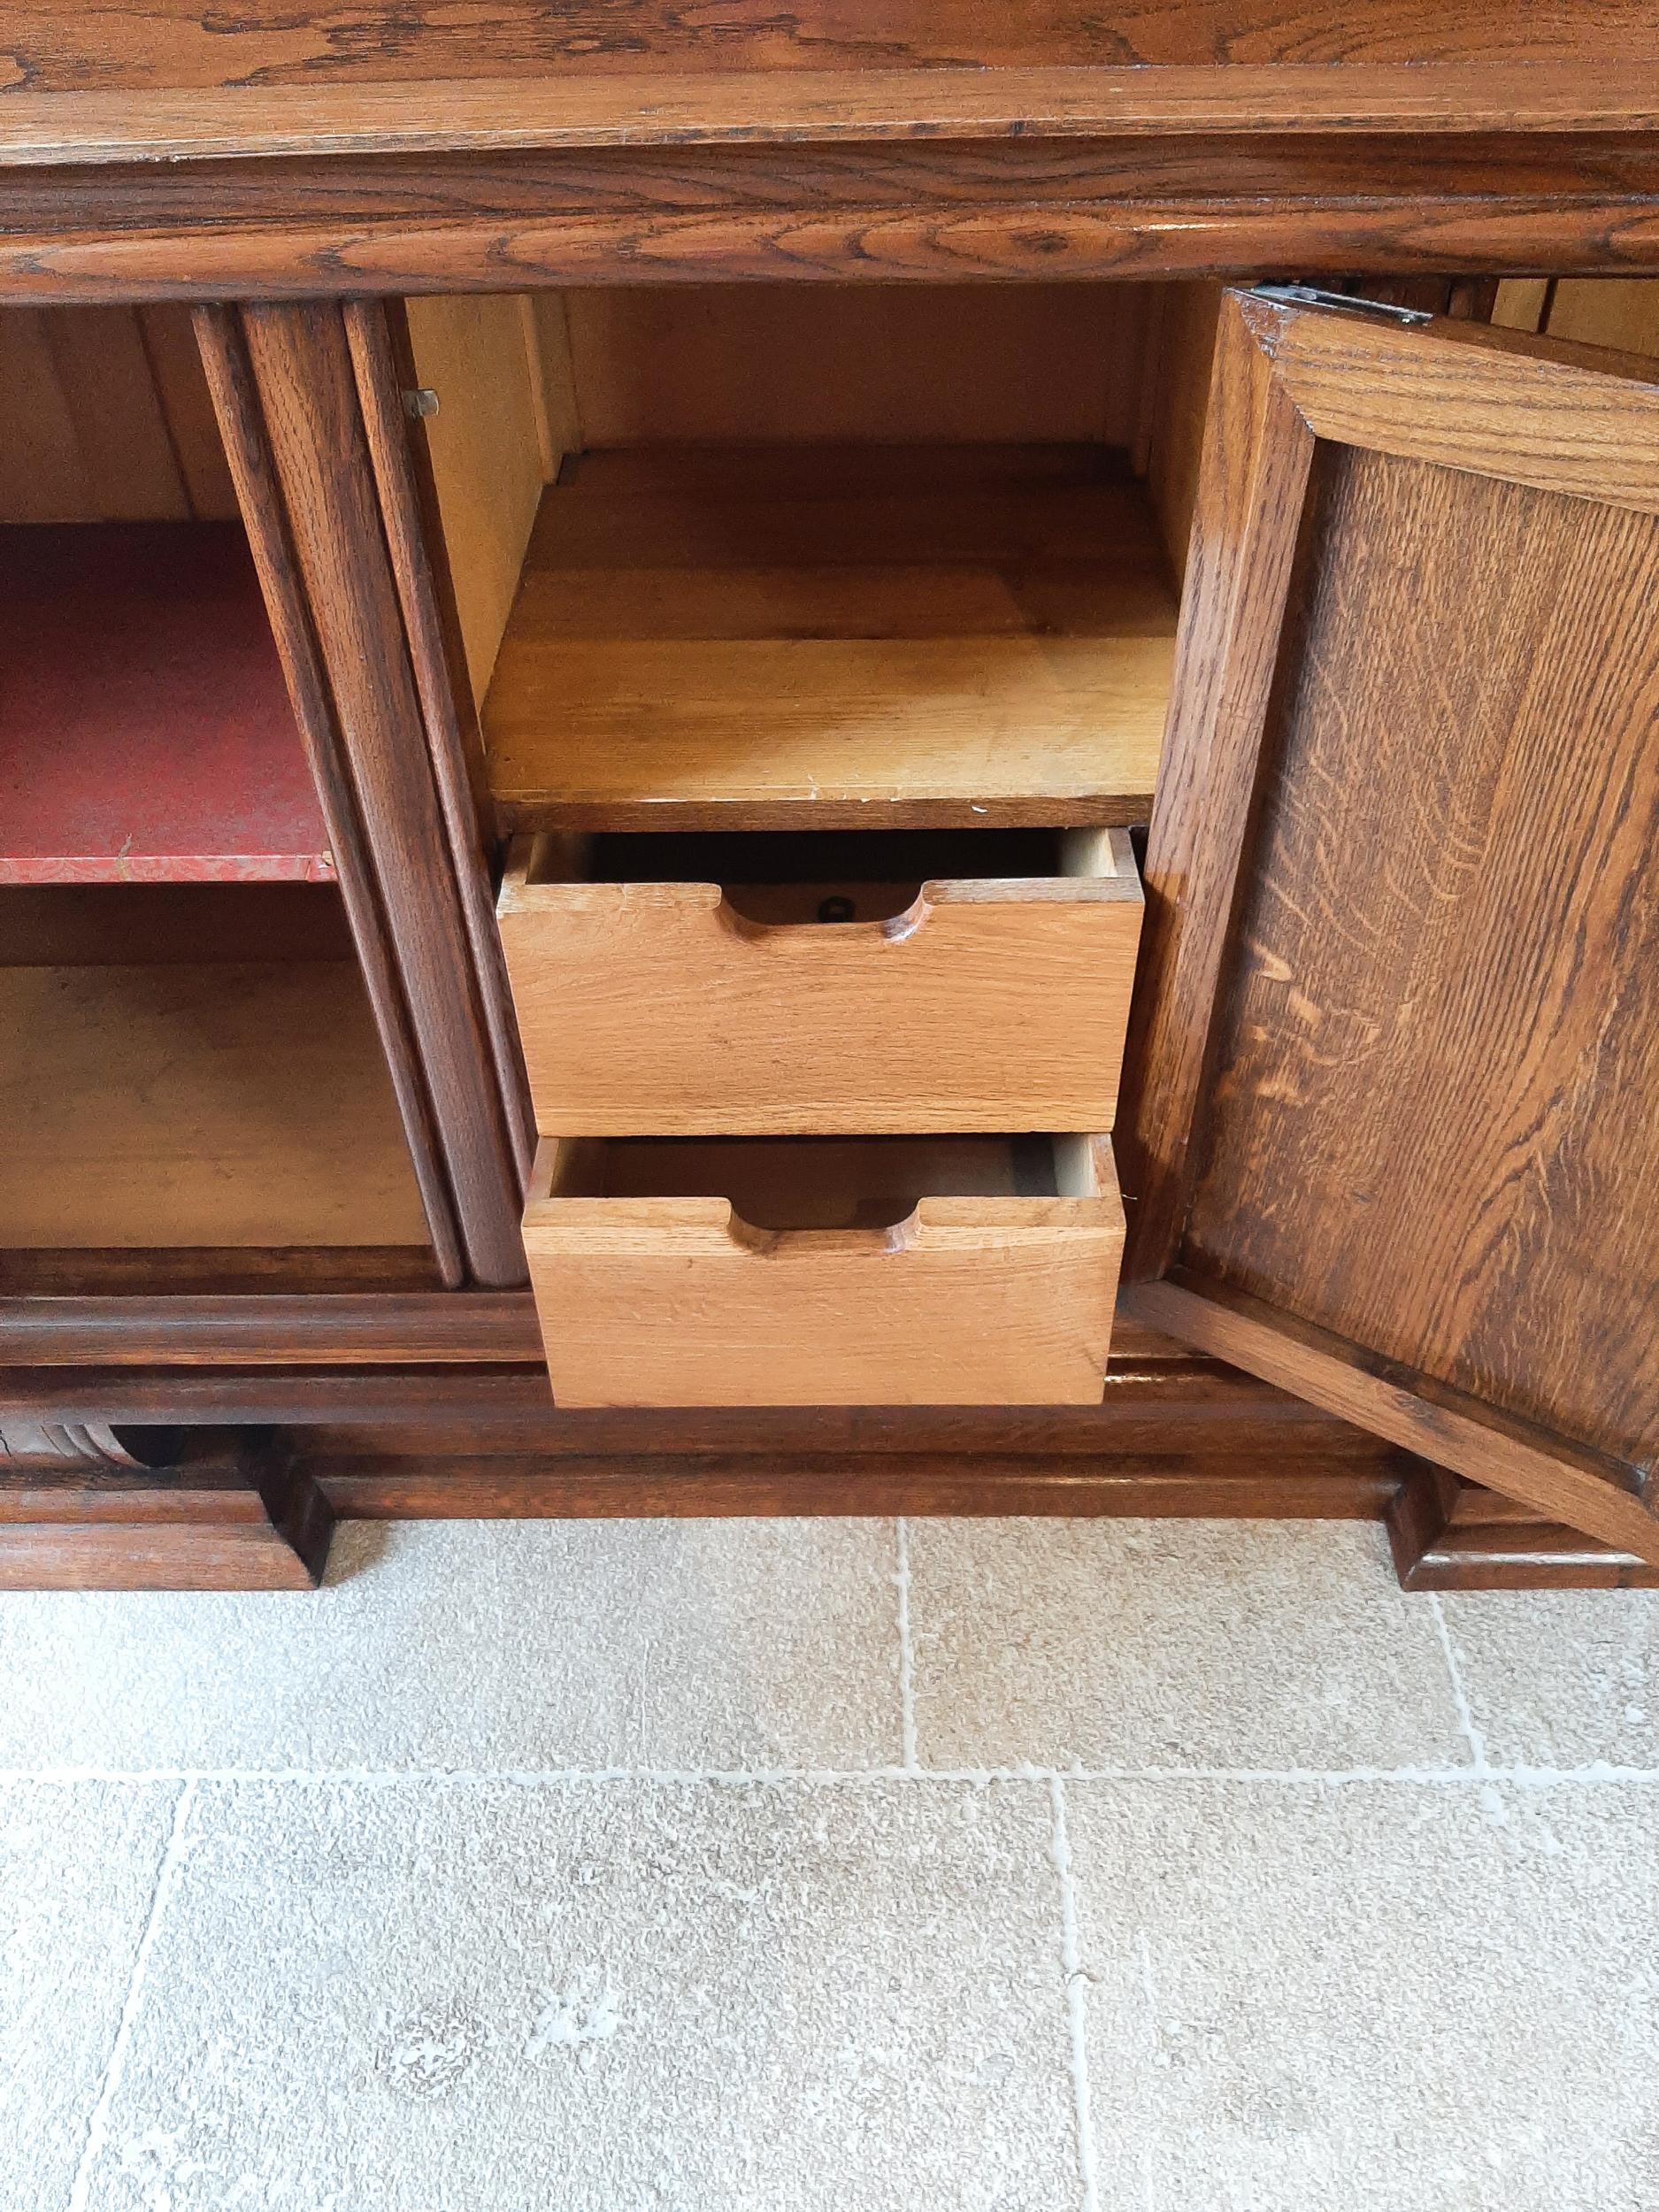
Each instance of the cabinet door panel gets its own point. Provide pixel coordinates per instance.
(1395, 1130)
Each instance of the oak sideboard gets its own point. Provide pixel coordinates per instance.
(891, 758)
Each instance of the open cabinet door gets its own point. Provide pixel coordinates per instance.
(1390, 1130)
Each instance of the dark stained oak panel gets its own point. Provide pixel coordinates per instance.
(1433, 1128)
(184, 43)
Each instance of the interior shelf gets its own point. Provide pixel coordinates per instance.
(145, 730)
(152, 1094)
(710, 638)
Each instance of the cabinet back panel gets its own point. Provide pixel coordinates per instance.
(107, 418)
(947, 363)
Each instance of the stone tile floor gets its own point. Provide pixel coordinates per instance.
(749, 1866)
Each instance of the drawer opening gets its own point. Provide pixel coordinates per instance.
(729, 556)
(790, 1184)
(803, 879)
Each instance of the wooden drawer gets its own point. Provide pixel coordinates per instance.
(992, 998)
(815, 1272)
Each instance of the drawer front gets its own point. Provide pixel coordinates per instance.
(989, 1005)
(980, 1300)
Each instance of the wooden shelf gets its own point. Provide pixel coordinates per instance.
(145, 730)
(950, 636)
(216, 1103)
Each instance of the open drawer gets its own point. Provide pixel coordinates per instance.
(792, 983)
(815, 1272)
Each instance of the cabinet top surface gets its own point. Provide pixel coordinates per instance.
(147, 80)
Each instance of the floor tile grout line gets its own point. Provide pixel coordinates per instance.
(1073, 1977)
(98, 2126)
(1598, 1774)
(907, 1755)
(1472, 1736)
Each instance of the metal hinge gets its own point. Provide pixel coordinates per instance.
(1313, 296)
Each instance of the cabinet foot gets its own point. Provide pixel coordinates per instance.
(89, 1508)
(1449, 1534)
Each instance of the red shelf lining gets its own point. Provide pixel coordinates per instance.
(145, 729)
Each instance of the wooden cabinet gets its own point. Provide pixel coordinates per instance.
(824, 555)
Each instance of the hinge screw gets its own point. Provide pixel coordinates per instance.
(418, 405)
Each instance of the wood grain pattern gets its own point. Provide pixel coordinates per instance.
(931, 211)
(851, 364)
(966, 654)
(986, 1005)
(677, 1300)
(1444, 77)
(486, 451)
(107, 419)
(1622, 313)
(302, 361)
(1170, 1437)
(1158, 1486)
(211, 1105)
(1257, 452)
(1175, 404)
(233, 1512)
(1562, 1480)
(454, 743)
(1240, 1449)
(245, 1324)
(1406, 1166)
(1441, 1026)
(1561, 418)
(481, 1405)
(1452, 1535)
(240, 1306)
(237, 406)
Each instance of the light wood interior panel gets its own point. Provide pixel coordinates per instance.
(193, 1099)
(1621, 312)
(814, 363)
(107, 418)
(1618, 312)
(525, 382)
(1432, 1129)
(492, 451)
(864, 1182)
(1175, 403)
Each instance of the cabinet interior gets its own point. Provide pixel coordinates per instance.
(187, 1059)
(193, 1065)
(738, 557)
(782, 563)
(724, 554)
